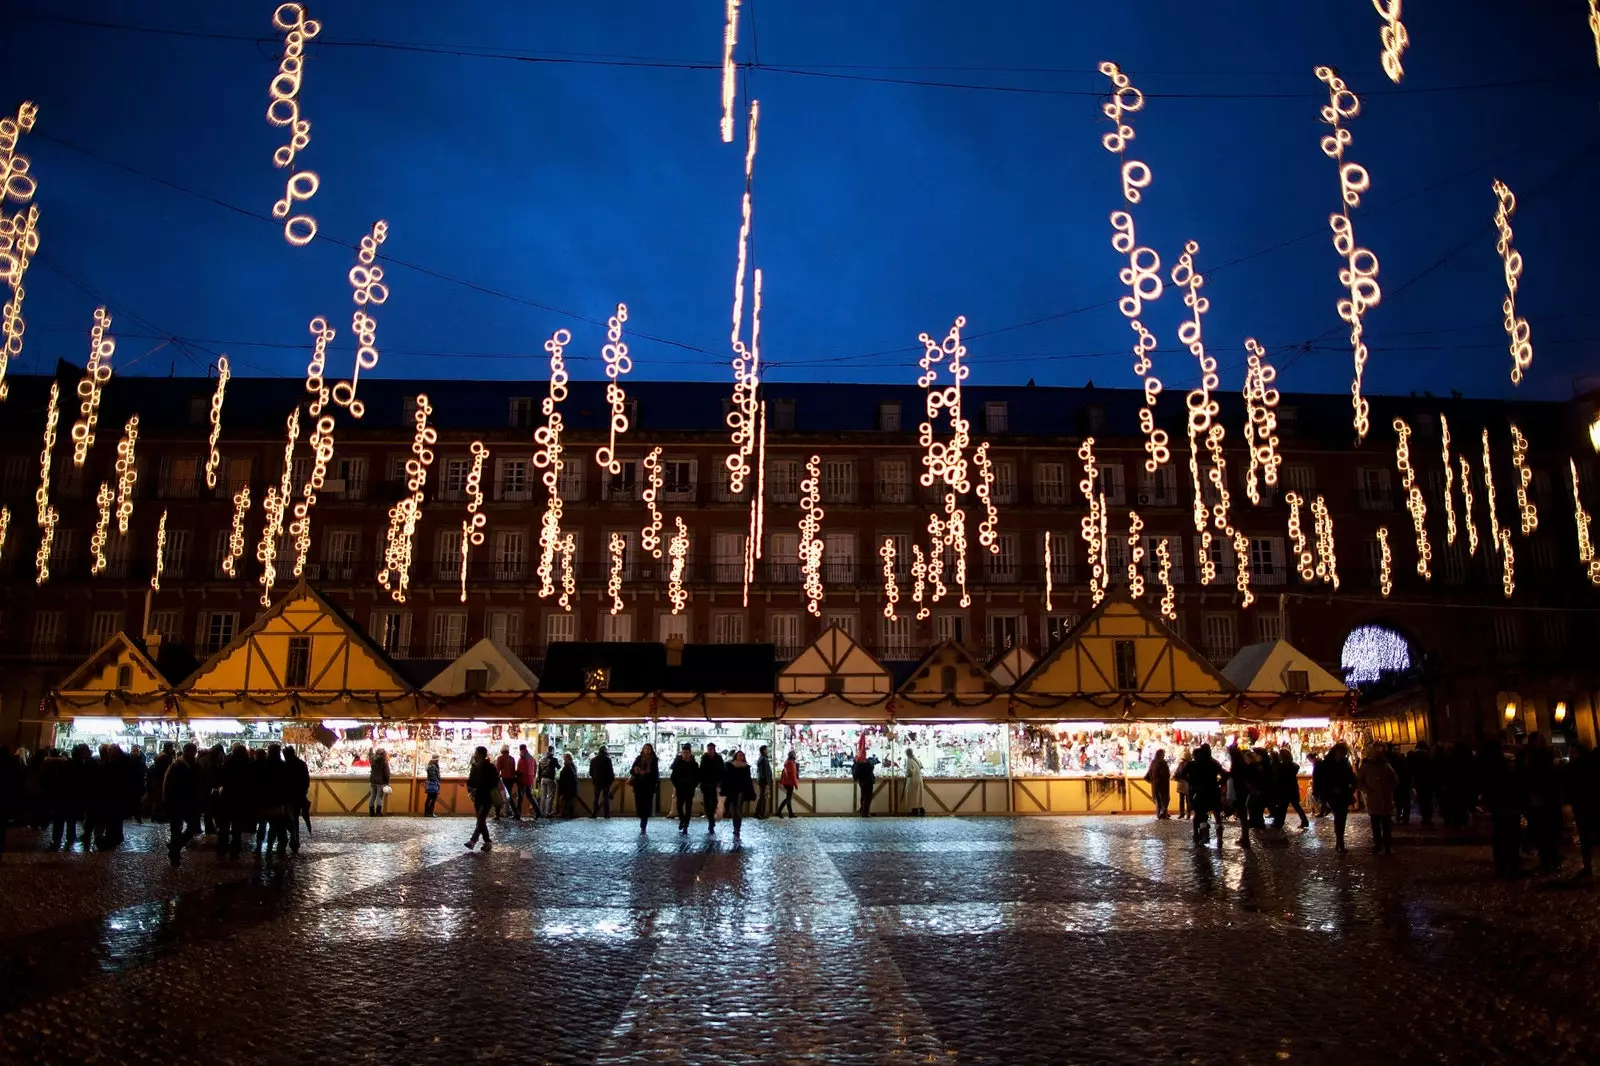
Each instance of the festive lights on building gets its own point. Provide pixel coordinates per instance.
(395, 576)
(1594, 27)
(616, 547)
(1516, 326)
(1156, 441)
(5, 527)
(650, 536)
(95, 375)
(161, 552)
(1359, 274)
(752, 543)
(1393, 37)
(945, 463)
(47, 543)
(241, 510)
(618, 363)
(678, 552)
(1385, 562)
(1208, 562)
(569, 578)
(1449, 482)
(957, 533)
(919, 578)
(746, 360)
(1586, 554)
(1135, 555)
(1049, 574)
(547, 457)
(472, 525)
(1164, 574)
(1241, 568)
(891, 589)
(320, 441)
(1415, 504)
(1219, 478)
(730, 38)
(214, 459)
(1466, 506)
(52, 416)
(1488, 491)
(127, 473)
(1370, 651)
(988, 528)
(19, 233)
(1526, 511)
(284, 111)
(936, 535)
(1089, 524)
(276, 504)
(1261, 419)
(103, 501)
(1508, 562)
(810, 546)
(1304, 561)
(1201, 406)
(367, 289)
(1327, 562)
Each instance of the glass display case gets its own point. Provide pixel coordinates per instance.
(946, 750)
(1125, 749)
(151, 734)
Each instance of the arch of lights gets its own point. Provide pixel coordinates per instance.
(52, 417)
(1371, 651)
(1586, 554)
(547, 457)
(891, 589)
(472, 525)
(1261, 419)
(1516, 326)
(103, 500)
(367, 289)
(650, 536)
(1466, 506)
(1169, 597)
(678, 552)
(95, 375)
(1135, 555)
(127, 473)
(616, 547)
(47, 543)
(1327, 561)
(395, 576)
(1415, 504)
(1304, 561)
(618, 363)
(19, 233)
(1359, 274)
(213, 457)
(1526, 511)
(1385, 562)
(810, 547)
(1449, 482)
(1392, 37)
(1089, 524)
(275, 504)
(284, 111)
(161, 552)
(241, 510)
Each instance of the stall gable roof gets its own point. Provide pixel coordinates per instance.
(1085, 662)
(1265, 668)
(342, 657)
(507, 673)
(91, 675)
(1010, 665)
(834, 654)
(925, 681)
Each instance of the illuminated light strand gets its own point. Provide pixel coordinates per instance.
(1241, 568)
(547, 457)
(1385, 562)
(1208, 565)
(618, 363)
(617, 546)
(1201, 406)
(1586, 553)
(1304, 560)
(19, 234)
(810, 547)
(945, 463)
(47, 543)
(1508, 562)
(956, 531)
(1415, 504)
(367, 289)
(1360, 271)
(752, 544)
(746, 361)
(395, 576)
(322, 335)
(320, 441)
(103, 501)
(275, 504)
(1517, 331)
(1219, 478)
(1449, 482)
(1164, 574)
(1049, 575)
(52, 416)
(919, 578)
(569, 578)
(1393, 37)
(1157, 443)
(161, 552)
(5, 527)
(1135, 555)
(1089, 524)
(650, 536)
(936, 586)
(472, 525)
(284, 111)
(1488, 491)
(1526, 511)
(678, 552)
(1261, 422)
(1466, 506)
(891, 588)
(730, 38)
(214, 458)
(241, 510)
(95, 374)
(1105, 545)
(127, 473)
(989, 527)
(1327, 561)
(1199, 512)
(1594, 27)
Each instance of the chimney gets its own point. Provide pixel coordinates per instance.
(674, 650)
(152, 645)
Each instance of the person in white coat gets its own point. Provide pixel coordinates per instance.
(913, 798)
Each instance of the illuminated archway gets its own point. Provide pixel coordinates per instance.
(1371, 651)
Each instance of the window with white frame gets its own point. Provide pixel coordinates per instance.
(1057, 624)
(560, 627)
(339, 554)
(168, 623)
(1221, 553)
(727, 627)
(219, 552)
(453, 479)
(47, 630)
(996, 419)
(838, 558)
(1554, 631)
(1454, 561)
(569, 486)
(510, 554)
(1061, 557)
(727, 555)
(889, 416)
(624, 483)
(512, 480)
(1372, 489)
(391, 630)
(1108, 479)
(447, 553)
(349, 478)
(845, 620)
(617, 628)
(1117, 559)
(1375, 561)
(1221, 636)
(783, 558)
(519, 412)
(783, 480)
(103, 625)
(449, 634)
(783, 631)
(902, 554)
(504, 627)
(217, 630)
(1158, 489)
(1005, 482)
(1004, 565)
(1267, 561)
(1006, 631)
(1269, 626)
(670, 625)
(951, 627)
(838, 481)
(62, 551)
(1507, 633)
(678, 479)
(1049, 483)
(893, 485)
(176, 562)
(898, 640)
(1301, 479)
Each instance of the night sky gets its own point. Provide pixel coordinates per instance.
(584, 166)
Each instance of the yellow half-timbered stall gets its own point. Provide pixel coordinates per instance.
(950, 712)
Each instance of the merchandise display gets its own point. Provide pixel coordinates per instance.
(1117, 749)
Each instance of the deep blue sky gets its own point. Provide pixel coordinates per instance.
(881, 209)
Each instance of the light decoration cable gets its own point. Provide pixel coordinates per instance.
(746, 360)
(547, 457)
(321, 439)
(758, 516)
(1526, 511)
(284, 111)
(19, 233)
(1208, 564)
(650, 535)
(1049, 574)
(1219, 479)
(127, 473)
(52, 417)
(730, 38)
(810, 547)
(5, 527)
(1508, 562)
(678, 552)
(275, 504)
(616, 546)
(1156, 441)
(1385, 562)
(956, 530)
(569, 578)
(367, 289)
(214, 458)
(1201, 406)
(1327, 561)
(103, 501)
(1168, 596)
(1360, 271)
(161, 552)
(1135, 555)
(95, 375)
(472, 525)
(1261, 419)
(988, 528)
(1415, 504)
(395, 576)
(241, 510)
(618, 363)
(1304, 561)
(1466, 506)
(1393, 37)
(945, 463)
(47, 543)
(936, 586)
(1105, 546)
(919, 578)
(1586, 554)
(1089, 524)
(1449, 482)
(1488, 491)
(1516, 326)
(891, 588)
(1241, 568)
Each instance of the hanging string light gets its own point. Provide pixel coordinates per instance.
(746, 361)
(1586, 554)
(547, 457)
(1297, 538)
(678, 552)
(395, 576)
(752, 542)
(1360, 273)
(956, 529)
(1105, 546)
(1393, 37)
(127, 473)
(1466, 506)
(1049, 574)
(367, 289)
(1135, 555)
(650, 536)
(618, 363)
(52, 416)
(1594, 27)
(1385, 562)
(214, 459)
(1261, 419)
(1202, 407)
(1327, 561)
(936, 542)
(284, 110)
(1219, 479)
(1488, 491)
(19, 233)
(945, 463)
(161, 552)
(919, 577)
(102, 525)
(617, 546)
(321, 439)
(730, 38)
(1508, 562)
(1164, 574)
(1526, 511)
(47, 543)
(1241, 568)
(95, 375)
(569, 578)
(5, 527)
(275, 504)
(989, 527)
(1156, 441)
(1089, 524)
(891, 589)
(472, 525)
(241, 509)
(1415, 504)
(1511, 261)
(810, 548)
(1449, 482)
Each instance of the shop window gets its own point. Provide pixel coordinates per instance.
(1126, 666)
(124, 677)
(477, 681)
(297, 670)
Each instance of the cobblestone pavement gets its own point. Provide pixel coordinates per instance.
(1048, 940)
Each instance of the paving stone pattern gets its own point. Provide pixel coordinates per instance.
(953, 941)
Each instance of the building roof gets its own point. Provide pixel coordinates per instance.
(641, 666)
(1265, 667)
(507, 673)
(172, 663)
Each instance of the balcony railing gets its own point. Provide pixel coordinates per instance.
(514, 494)
(171, 488)
(893, 492)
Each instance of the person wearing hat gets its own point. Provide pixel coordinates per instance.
(685, 777)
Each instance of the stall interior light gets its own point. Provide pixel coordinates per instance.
(1511, 711)
(217, 725)
(1305, 723)
(1205, 727)
(1561, 711)
(98, 725)
(351, 723)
